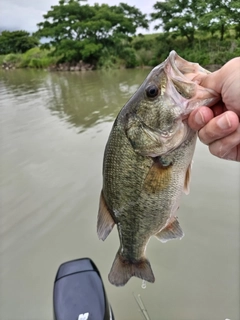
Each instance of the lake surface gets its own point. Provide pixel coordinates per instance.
(53, 130)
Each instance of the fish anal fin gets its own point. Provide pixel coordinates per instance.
(171, 231)
(122, 270)
(186, 188)
(105, 222)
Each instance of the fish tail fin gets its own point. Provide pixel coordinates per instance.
(122, 270)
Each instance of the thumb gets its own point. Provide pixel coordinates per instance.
(208, 81)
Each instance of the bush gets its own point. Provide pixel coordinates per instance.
(13, 58)
(129, 56)
(108, 62)
(146, 57)
(37, 58)
(148, 50)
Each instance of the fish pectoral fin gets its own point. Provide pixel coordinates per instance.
(105, 222)
(186, 187)
(123, 269)
(171, 231)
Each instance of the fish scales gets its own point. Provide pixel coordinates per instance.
(147, 165)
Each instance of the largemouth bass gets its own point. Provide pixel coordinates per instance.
(147, 165)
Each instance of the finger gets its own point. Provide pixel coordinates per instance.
(229, 75)
(209, 80)
(233, 154)
(199, 78)
(228, 147)
(219, 127)
(200, 117)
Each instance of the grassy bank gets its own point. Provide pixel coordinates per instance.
(146, 50)
(33, 58)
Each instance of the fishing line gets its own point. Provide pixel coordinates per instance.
(141, 306)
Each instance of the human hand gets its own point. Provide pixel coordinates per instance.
(218, 126)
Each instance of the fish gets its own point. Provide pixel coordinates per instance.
(147, 165)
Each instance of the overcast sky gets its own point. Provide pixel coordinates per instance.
(25, 14)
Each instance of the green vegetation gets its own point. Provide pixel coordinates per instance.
(16, 42)
(105, 36)
(91, 33)
(37, 58)
(185, 17)
(205, 50)
(33, 58)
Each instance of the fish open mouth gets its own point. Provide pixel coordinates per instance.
(191, 95)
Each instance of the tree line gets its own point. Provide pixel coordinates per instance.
(95, 34)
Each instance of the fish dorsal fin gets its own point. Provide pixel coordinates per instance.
(171, 231)
(105, 222)
(186, 188)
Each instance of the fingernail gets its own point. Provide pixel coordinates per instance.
(224, 122)
(199, 118)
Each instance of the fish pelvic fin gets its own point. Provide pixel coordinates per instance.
(123, 269)
(171, 231)
(105, 222)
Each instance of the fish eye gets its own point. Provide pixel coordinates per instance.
(152, 91)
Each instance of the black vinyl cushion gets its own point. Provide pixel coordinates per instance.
(78, 289)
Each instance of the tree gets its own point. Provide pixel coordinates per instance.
(180, 16)
(16, 42)
(234, 16)
(129, 19)
(219, 15)
(78, 31)
(184, 17)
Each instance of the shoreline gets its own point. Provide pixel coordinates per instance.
(82, 67)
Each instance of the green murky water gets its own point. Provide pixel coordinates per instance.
(53, 130)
